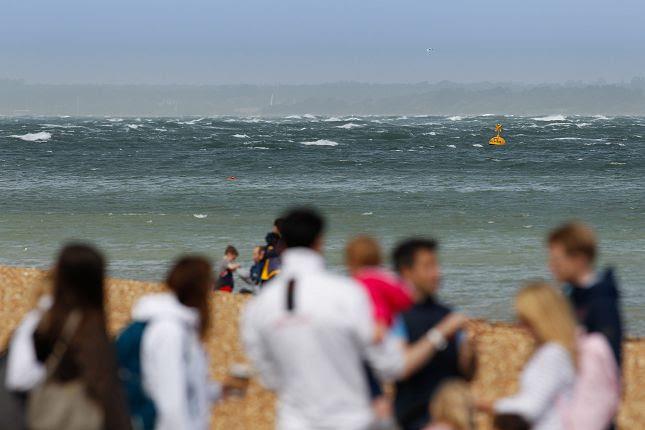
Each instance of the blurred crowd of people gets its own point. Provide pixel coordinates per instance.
(373, 350)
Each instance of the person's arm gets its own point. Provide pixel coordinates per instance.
(245, 278)
(551, 370)
(422, 351)
(395, 359)
(255, 348)
(467, 355)
(164, 374)
(24, 371)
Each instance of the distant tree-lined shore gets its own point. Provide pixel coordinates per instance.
(342, 98)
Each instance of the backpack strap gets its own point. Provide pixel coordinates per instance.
(62, 343)
(291, 286)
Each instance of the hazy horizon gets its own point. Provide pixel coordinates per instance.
(199, 42)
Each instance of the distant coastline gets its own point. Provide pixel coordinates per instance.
(19, 98)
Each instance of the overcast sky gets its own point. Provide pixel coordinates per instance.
(306, 41)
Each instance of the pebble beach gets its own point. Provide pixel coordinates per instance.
(503, 349)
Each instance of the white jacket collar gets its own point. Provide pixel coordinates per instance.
(164, 306)
(297, 261)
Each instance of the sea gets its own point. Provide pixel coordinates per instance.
(146, 190)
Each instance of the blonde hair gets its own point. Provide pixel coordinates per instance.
(548, 314)
(362, 251)
(453, 405)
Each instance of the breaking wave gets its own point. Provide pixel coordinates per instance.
(349, 126)
(550, 118)
(42, 136)
(320, 142)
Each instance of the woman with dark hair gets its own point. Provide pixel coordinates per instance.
(72, 343)
(174, 363)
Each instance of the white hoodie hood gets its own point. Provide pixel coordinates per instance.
(164, 306)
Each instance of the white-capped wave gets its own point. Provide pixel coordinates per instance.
(61, 126)
(583, 124)
(600, 117)
(320, 142)
(455, 118)
(41, 136)
(293, 117)
(349, 126)
(191, 122)
(259, 147)
(115, 119)
(309, 116)
(160, 129)
(241, 136)
(332, 119)
(568, 138)
(133, 126)
(478, 145)
(367, 213)
(200, 216)
(550, 118)
(430, 133)
(451, 146)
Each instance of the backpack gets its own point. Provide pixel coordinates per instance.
(596, 392)
(128, 350)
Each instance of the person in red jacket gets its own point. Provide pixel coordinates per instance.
(389, 293)
(389, 296)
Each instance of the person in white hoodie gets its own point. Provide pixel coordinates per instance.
(309, 332)
(173, 359)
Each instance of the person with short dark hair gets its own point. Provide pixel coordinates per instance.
(307, 333)
(595, 297)
(226, 269)
(417, 262)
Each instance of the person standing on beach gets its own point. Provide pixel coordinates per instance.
(547, 380)
(308, 333)
(271, 262)
(417, 262)
(75, 361)
(226, 269)
(594, 295)
(173, 360)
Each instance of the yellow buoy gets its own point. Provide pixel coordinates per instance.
(497, 140)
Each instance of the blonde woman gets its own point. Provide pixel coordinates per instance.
(452, 408)
(547, 379)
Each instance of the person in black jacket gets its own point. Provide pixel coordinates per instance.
(417, 262)
(594, 295)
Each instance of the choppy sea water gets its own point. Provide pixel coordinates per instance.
(148, 189)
